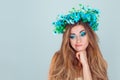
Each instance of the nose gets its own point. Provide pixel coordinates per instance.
(78, 39)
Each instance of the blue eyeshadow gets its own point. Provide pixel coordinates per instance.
(72, 36)
(82, 33)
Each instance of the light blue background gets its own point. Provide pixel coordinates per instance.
(27, 43)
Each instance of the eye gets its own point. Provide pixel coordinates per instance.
(72, 36)
(83, 33)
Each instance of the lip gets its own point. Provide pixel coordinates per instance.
(77, 45)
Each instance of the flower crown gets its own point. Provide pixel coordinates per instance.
(85, 14)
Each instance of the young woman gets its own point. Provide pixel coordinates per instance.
(79, 57)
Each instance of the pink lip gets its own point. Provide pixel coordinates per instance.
(77, 45)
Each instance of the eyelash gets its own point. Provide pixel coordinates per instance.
(82, 34)
(72, 36)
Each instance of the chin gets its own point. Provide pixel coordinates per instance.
(79, 50)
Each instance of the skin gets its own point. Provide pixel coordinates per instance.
(79, 41)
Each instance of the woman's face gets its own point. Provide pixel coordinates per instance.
(79, 38)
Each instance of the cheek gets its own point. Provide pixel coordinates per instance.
(72, 43)
(86, 43)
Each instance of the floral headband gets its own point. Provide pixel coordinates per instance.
(85, 14)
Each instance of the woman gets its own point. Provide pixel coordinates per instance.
(79, 57)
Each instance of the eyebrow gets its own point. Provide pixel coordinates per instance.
(81, 31)
(74, 33)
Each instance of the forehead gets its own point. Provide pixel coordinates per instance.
(77, 29)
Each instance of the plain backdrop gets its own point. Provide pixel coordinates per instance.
(27, 42)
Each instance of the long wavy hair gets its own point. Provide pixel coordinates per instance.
(64, 64)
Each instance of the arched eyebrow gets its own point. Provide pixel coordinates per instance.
(72, 33)
(79, 32)
(82, 30)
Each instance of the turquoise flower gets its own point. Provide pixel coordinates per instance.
(85, 14)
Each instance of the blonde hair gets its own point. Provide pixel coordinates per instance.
(64, 64)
